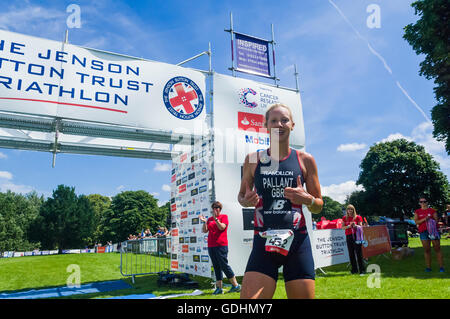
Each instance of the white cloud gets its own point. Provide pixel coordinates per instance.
(2, 155)
(166, 188)
(22, 189)
(154, 194)
(395, 136)
(120, 187)
(162, 167)
(351, 147)
(34, 18)
(339, 192)
(5, 175)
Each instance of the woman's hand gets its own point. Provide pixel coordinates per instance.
(298, 195)
(202, 218)
(250, 198)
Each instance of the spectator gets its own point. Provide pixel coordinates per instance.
(160, 232)
(351, 220)
(421, 217)
(216, 227)
(148, 233)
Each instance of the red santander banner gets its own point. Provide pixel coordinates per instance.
(378, 241)
(252, 122)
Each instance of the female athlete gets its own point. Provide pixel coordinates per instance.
(280, 238)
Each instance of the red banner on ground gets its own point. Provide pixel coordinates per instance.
(378, 241)
(101, 250)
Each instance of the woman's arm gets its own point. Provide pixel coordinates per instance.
(247, 197)
(312, 197)
(419, 221)
(219, 224)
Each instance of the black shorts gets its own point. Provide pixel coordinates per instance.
(298, 264)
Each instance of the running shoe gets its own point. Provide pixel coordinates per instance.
(427, 269)
(218, 291)
(235, 289)
(441, 269)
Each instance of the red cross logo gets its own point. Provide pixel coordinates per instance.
(183, 98)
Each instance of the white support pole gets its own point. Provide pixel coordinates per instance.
(232, 46)
(273, 56)
(296, 77)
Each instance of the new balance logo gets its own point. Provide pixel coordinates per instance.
(277, 204)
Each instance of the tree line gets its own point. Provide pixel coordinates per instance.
(394, 175)
(67, 220)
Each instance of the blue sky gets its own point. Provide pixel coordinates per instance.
(359, 85)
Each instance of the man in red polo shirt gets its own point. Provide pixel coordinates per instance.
(421, 216)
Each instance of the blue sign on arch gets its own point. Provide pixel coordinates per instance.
(252, 55)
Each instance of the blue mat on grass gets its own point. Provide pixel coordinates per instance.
(66, 291)
(142, 296)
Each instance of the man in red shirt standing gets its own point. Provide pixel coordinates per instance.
(216, 227)
(421, 216)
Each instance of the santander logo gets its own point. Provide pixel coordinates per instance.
(251, 122)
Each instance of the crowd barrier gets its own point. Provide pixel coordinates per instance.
(100, 249)
(145, 256)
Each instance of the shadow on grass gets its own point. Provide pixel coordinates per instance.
(147, 284)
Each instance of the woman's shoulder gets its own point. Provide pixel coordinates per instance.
(252, 158)
(305, 156)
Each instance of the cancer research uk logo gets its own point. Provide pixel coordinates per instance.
(183, 98)
(248, 97)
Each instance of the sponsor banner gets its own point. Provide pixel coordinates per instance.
(101, 250)
(71, 251)
(190, 198)
(252, 54)
(239, 113)
(329, 247)
(50, 78)
(251, 122)
(378, 241)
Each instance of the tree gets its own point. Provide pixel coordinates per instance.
(165, 214)
(65, 220)
(100, 205)
(430, 36)
(331, 209)
(394, 175)
(130, 213)
(17, 213)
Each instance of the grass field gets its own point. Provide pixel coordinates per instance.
(404, 279)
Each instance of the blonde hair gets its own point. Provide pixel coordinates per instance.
(274, 106)
(354, 209)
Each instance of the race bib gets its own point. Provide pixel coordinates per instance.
(278, 241)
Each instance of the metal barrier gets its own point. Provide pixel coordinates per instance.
(145, 256)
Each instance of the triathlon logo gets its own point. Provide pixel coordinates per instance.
(183, 98)
(247, 97)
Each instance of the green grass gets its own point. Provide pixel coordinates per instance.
(404, 279)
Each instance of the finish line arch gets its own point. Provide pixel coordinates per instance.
(56, 97)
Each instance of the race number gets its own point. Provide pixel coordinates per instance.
(278, 241)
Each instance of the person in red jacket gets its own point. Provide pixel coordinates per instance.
(216, 226)
(350, 221)
(421, 216)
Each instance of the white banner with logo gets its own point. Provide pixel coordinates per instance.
(239, 109)
(50, 78)
(329, 247)
(190, 198)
